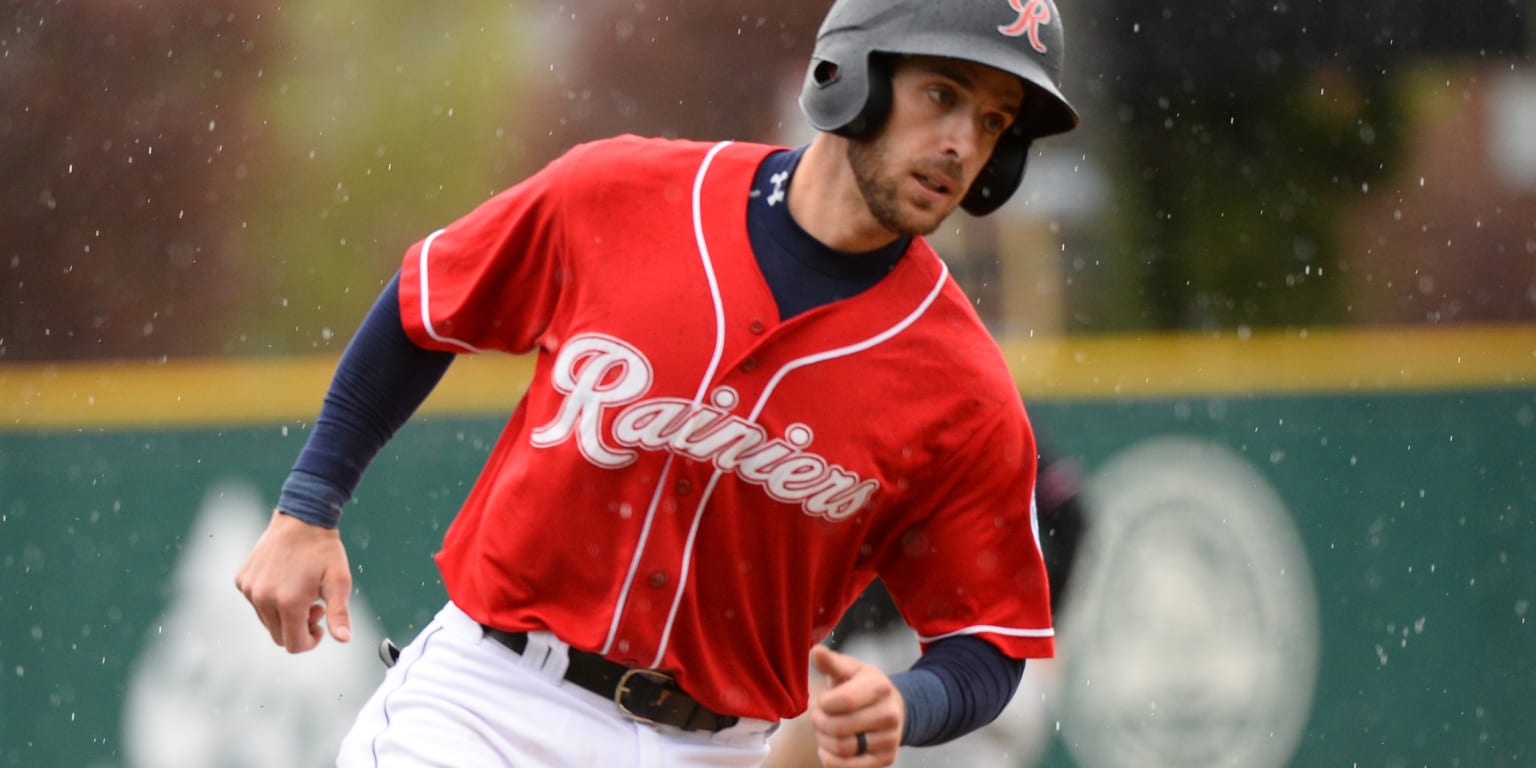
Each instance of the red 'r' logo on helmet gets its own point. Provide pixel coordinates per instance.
(1032, 13)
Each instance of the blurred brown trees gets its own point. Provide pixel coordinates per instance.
(192, 179)
(216, 178)
(696, 69)
(124, 142)
(1273, 164)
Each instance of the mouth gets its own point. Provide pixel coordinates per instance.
(936, 183)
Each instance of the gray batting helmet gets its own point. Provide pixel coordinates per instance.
(848, 88)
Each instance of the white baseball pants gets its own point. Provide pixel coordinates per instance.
(457, 698)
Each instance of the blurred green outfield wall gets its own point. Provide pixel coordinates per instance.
(1287, 578)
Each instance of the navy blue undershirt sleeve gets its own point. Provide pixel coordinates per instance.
(960, 684)
(382, 378)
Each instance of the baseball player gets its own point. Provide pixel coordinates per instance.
(757, 389)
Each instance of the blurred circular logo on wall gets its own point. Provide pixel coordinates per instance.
(1192, 638)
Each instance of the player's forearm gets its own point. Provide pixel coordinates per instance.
(382, 378)
(959, 685)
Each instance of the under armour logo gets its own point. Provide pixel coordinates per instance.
(778, 180)
(1032, 13)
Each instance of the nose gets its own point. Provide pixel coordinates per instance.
(964, 138)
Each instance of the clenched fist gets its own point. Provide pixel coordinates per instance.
(859, 718)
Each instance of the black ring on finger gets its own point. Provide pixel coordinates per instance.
(863, 744)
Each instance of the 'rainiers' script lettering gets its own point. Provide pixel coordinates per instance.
(600, 373)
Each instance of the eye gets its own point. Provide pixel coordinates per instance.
(995, 123)
(941, 95)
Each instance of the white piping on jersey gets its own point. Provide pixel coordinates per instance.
(634, 563)
(762, 402)
(682, 578)
(1034, 518)
(426, 298)
(698, 398)
(851, 349)
(989, 629)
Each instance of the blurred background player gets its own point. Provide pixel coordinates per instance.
(872, 630)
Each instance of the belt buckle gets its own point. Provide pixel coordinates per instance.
(662, 679)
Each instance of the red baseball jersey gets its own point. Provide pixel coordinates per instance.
(691, 484)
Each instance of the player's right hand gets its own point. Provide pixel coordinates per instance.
(295, 575)
(860, 699)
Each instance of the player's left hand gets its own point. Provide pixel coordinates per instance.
(860, 698)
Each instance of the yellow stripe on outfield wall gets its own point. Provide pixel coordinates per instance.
(255, 391)
(221, 392)
(1333, 361)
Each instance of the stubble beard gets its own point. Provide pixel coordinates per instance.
(882, 193)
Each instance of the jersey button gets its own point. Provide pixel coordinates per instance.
(749, 365)
(757, 327)
(657, 580)
(683, 486)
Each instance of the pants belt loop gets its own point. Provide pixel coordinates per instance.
(548, 654)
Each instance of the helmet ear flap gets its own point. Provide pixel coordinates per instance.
(877, 100)
(999, 178)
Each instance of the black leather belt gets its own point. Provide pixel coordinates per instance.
(647, 695)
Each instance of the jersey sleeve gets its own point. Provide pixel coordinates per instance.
(491, 280)
(973, 566)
